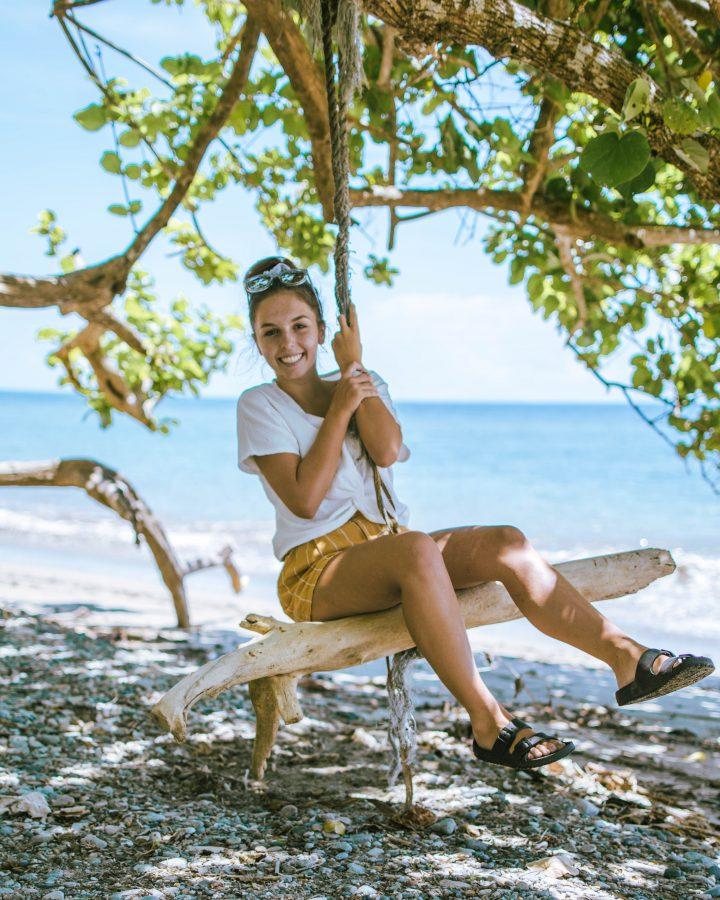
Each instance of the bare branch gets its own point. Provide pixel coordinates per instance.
(386, 60)
(565, 250)
(109, 488)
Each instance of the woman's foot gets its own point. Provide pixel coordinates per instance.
(660, 672)
(627, 669)
(486, 737)
(518, 746)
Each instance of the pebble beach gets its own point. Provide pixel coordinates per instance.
(96, 802)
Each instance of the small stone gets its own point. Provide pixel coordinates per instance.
(355, 869)
(375, 852)
(672, 872)
(54, 895)
(444, 826)
(289, 811)
(365, 890)
(588, 809)
(91, 840)
(714, 891)
(333, 826)
(714, 870)
(34, 804)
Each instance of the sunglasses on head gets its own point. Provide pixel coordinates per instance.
(282, 272)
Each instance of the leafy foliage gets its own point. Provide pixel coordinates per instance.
(461, 120)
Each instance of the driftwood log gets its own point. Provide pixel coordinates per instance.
(108, 487)
(273, 663)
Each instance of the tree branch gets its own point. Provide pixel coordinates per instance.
(565, 248)
(289, 46)
(506, 28)
(207, 132)
(582, 223)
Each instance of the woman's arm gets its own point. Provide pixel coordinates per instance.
(302, 484)
(379, 431)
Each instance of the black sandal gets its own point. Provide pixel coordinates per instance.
(518, 758)
(674, 673)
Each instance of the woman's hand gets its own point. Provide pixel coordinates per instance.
(354, 386)
(346, 342)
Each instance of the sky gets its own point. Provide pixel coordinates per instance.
(450, 328)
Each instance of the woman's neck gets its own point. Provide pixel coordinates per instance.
(311, 393)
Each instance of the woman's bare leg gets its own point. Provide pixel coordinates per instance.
(409, 568)
(474, 554)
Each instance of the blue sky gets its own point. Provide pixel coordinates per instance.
(449, 329)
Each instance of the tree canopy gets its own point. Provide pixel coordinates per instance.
(586, 133)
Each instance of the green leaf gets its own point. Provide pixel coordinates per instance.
(640, 183)
(713, 109)
(611, 160)
(130, 138)
(694, 154)
(111, 162)
(637, 99)
(91, 118)
(117, 209)
(680, 117)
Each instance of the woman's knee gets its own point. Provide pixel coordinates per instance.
(418, 553)
(510, 542)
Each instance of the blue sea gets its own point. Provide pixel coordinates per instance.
(579, 480)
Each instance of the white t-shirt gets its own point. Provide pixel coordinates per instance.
(270, 421)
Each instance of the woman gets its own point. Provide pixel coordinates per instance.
(340, 557)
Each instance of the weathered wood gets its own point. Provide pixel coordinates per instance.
(288, 648)
(108, 487)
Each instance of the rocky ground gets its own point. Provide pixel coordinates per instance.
(96, 803)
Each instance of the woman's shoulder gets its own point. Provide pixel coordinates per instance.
(254, 396)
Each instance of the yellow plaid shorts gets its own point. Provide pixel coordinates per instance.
(303, 565)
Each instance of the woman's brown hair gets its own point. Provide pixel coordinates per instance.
(306, 291)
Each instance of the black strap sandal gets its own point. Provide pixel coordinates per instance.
(674, 673)
(518, 758)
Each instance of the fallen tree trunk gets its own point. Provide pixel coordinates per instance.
(287, 650)
(108, 487)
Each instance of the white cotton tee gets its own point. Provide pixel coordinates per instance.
(270, 421)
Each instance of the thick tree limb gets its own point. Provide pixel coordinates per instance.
(506, 28)
(290, 649)
(95, 287)
(109, 488)
(583, 224)
(307, 81)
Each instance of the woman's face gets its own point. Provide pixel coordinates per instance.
(287, 334)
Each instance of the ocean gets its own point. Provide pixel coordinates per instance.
(579, 480)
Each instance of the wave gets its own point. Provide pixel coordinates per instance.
(689, 595)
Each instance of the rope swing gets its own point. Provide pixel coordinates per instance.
(341, 19)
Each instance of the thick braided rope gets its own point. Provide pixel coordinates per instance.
(338, 142)
(402, 730)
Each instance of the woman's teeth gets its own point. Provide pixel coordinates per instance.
(291, 360)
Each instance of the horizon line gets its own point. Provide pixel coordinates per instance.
(415, 400)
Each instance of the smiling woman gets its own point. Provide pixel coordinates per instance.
(345, 554)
